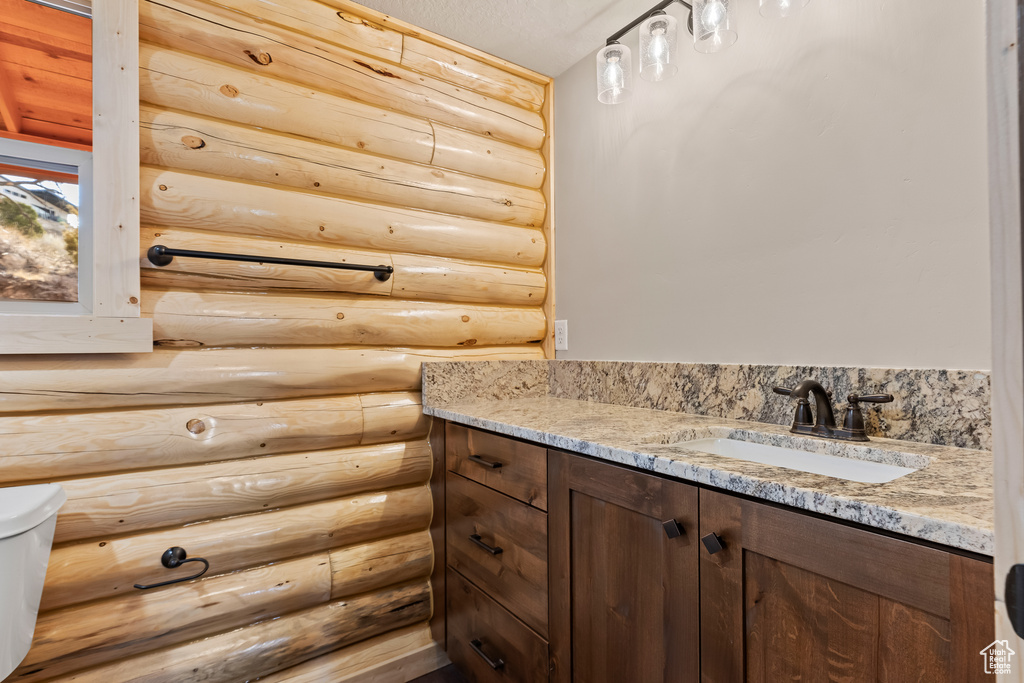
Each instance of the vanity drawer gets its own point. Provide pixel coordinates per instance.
(499, 638)
(512, 467)
(501, 545)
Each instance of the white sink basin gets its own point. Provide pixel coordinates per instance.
(851, 469)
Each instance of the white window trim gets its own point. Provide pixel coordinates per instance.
(108, 318)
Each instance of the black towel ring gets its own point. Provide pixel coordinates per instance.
(175, 557)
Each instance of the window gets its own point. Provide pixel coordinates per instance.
(45, 229)
(69, 249)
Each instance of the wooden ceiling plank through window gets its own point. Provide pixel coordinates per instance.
(45, 73)
(8, 104)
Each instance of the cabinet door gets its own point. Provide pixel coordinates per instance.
(624, 600)
(794, 597)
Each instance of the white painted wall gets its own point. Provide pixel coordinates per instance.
(816, 194)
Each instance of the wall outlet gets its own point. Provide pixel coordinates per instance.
(561, 335)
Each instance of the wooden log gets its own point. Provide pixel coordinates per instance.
(187, 200)
(325, 24)
(81, 572)
(364, 567)
(67, 445)
(86, 635)
(415, 277)
(407, 29)
(463, 151)
(272, 645)
(449, 65)
(221, 319)
(392, 417)
(198, 273)
(347, 30)
(424, 277)
(191, 83)
(130, 503)
(190, 142)
(175, 377)
(396, 657)
(194, 26)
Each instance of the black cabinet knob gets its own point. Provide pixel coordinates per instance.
(713, 542)
(673, 529)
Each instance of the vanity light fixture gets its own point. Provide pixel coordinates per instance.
(712, 24)
(614, 73)
(657, 46)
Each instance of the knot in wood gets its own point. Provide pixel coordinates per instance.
(468, 342)
(377, 70)
(341, 316)
(163, 188)
(196, 426)
(133, 300)
(353, 19)
(193, 142)
(229, 90)
(465, 318)
(261, 58)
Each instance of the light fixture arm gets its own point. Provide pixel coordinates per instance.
(660, 7)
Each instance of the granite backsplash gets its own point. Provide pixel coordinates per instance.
(947, 407)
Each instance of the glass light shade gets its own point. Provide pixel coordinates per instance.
(658, 47)
(614, 73)
(780, 9)
(714, 25)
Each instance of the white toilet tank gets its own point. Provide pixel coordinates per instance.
(28, 516)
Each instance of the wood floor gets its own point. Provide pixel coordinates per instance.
(449, 674)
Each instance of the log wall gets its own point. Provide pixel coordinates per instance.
(277, 429)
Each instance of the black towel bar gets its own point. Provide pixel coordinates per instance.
(159, 255)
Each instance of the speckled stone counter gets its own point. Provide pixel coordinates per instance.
(947, 501)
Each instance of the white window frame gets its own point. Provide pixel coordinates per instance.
(107, 317)
(69, 161)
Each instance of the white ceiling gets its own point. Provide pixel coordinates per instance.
(547, 36)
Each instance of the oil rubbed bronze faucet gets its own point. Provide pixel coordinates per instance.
(824, 424)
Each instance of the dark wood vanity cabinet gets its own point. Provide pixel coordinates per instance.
(496, 548)
(792, 597)
(603, 576)
(624, 585)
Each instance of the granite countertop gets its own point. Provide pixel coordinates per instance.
(948, 501)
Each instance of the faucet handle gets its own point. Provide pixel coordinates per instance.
(853, 426)
(803, 416)
(872, 398)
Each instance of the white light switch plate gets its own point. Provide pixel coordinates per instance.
(561, 335)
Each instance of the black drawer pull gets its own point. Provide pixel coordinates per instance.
(478, 648)
(493, 550)
(714, 543)
(491, 464)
